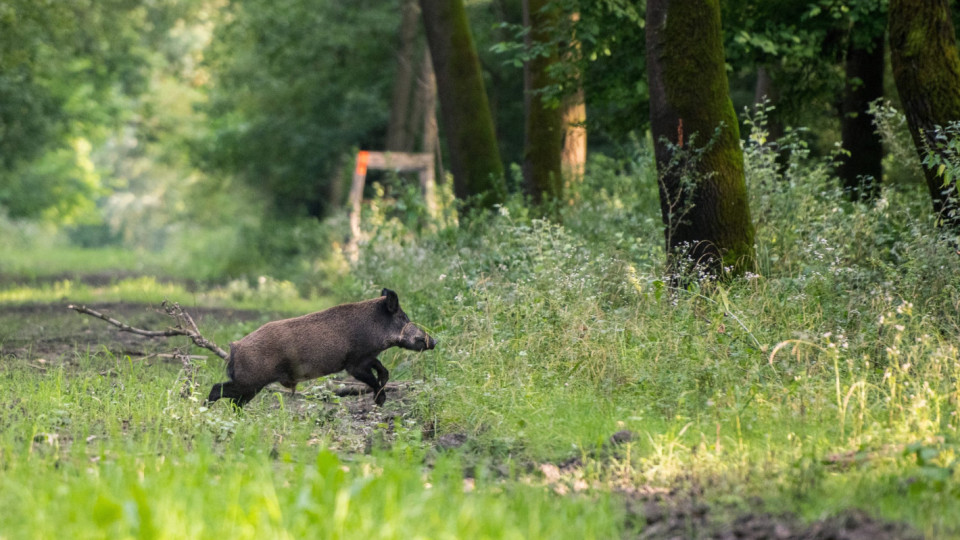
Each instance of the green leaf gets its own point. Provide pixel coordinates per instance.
(658, 287)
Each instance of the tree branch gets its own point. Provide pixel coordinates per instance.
(185, 326)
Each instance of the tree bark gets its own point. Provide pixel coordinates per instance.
(703, 192)
(543, 139)
(862, 170)
(926, 69)
(399, 129)
(573, 157)
(766, 89)
(427, 96)
(464, 109)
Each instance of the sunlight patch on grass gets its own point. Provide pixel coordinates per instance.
(271, 295)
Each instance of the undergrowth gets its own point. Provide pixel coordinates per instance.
(842, 341)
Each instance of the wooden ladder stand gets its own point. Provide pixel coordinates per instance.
(421, 163)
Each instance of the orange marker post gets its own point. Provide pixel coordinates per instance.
(363, 157)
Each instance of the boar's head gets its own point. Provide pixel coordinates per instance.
(410, 336)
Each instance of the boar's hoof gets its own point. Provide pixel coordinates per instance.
(380, 397)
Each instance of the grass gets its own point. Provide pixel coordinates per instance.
(53, 259)
(269, 294)
(828, 378)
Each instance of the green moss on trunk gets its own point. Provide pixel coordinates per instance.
(926, 69)
(543, 179)
(689, 95)
(465, 111)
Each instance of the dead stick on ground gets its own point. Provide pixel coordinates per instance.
(185, 326)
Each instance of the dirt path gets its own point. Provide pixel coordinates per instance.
(54, 333)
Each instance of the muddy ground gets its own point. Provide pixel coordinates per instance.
(43, 335)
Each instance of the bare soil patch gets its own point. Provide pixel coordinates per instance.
(667, 516)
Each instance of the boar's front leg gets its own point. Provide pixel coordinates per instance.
(363, 372)
(382, 377)
(382, 374)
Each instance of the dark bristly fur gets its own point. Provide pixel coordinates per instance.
(345, 337)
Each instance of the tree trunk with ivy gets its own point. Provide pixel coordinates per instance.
(926, 69)
(543, 139)
(464, 109)
(862, 170)
(703, 192)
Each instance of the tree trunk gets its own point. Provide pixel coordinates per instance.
(399, 130)
(427, 97)
(465, 111)
(926, 69)
(543, 140)
(862, 170)
(766, 89)
(703, 192)
(573, 158)
(431, 144)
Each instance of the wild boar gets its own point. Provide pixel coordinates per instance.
(345, 337)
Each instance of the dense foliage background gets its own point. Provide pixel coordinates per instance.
(130, 123)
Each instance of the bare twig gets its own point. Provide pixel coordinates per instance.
(184, 327)
(179, 356)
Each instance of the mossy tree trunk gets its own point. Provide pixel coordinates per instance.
(543, 139)
(926, 69)
(464, 109)
(703, 192)
(862, 170)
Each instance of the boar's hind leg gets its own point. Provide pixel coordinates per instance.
(363, 372)
(237, 393)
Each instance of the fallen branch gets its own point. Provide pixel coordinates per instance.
(184, 326)
(344, 388)
(350, 388)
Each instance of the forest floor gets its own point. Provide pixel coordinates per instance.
(49, 336)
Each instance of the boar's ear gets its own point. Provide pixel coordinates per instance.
(393, 303)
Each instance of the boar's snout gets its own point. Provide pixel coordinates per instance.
(415, 339)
